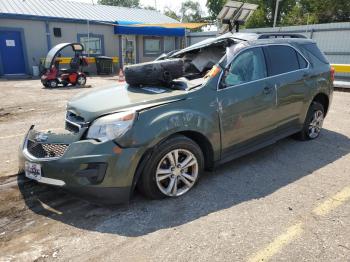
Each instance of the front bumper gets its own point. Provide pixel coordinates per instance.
(91, 169)
(43, 79)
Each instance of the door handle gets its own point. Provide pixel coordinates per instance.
(267, 90)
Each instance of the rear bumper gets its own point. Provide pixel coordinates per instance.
(89, 169)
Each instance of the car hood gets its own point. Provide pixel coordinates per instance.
(116, 98)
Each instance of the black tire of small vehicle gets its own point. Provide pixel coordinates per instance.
(303, 135)
(65, 83)
(77, 84)
(49, 83)
(147, 184)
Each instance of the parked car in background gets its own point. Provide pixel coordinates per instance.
(238, 93)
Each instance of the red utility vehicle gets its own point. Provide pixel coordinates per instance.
(54, 76)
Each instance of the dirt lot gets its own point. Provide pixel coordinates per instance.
(287, 202)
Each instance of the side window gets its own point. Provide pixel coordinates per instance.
(302, 61)
(282, 59)
(316, 52)
(152, 46)
(92, 45)
(247, 66)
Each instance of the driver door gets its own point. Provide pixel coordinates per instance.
(246, 103)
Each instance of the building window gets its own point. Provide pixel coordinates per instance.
(169, 44)
(152, 46)
(93, 45)
(57, 32)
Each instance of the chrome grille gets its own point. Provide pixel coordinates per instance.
(74, 122)
(72, 128)
(74, 118)
(45, 150)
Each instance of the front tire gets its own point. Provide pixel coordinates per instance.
(313, 122)
(52, 84)
(173, 169)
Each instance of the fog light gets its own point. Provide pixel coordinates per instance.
(94, 172)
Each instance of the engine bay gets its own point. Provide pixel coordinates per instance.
(179, 69)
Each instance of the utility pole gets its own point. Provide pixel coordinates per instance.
(88, 35)
(276, 12)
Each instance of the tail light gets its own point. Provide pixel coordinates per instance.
(332, 73)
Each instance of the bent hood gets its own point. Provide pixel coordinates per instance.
(93, 104)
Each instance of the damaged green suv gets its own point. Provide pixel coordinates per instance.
(237, 93)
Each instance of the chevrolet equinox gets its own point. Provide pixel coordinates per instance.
(221, 98)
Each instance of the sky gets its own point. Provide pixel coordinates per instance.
(161, 4)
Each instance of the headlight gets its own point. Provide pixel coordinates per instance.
(111, 126)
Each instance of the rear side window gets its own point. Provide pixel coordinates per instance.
(282, 59)
(316, 52)
(302, 61)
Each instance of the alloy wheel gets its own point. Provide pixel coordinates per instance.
(316, 124)
(177, 172)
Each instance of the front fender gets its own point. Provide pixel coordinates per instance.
(156, 124)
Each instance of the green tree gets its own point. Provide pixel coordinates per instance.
(172, 14)
(327, 11)
(291, 12)
(149, 7)
(258, 19)
(263, 16)
(214, 7)
(298, 16)
(125, 3)
(191, 11)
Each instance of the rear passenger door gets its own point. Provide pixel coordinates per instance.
(287, 70)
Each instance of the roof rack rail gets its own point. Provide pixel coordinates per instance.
(280, 35)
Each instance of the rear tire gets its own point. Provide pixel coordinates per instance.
(173, 168)
(81, 81)
(313, 123)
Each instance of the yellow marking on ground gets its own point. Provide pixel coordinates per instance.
(333, 202)
(278, 244)
(296, 230)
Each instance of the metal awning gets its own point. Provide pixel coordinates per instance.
(163, 29)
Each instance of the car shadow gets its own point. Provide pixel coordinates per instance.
(251, 177)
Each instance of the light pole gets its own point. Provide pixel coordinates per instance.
(88, 35)
(276, 12)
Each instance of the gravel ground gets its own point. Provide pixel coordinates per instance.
(287, 202)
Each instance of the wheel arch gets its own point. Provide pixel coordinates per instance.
(323, 99)
(205, 145)
(201, 140)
